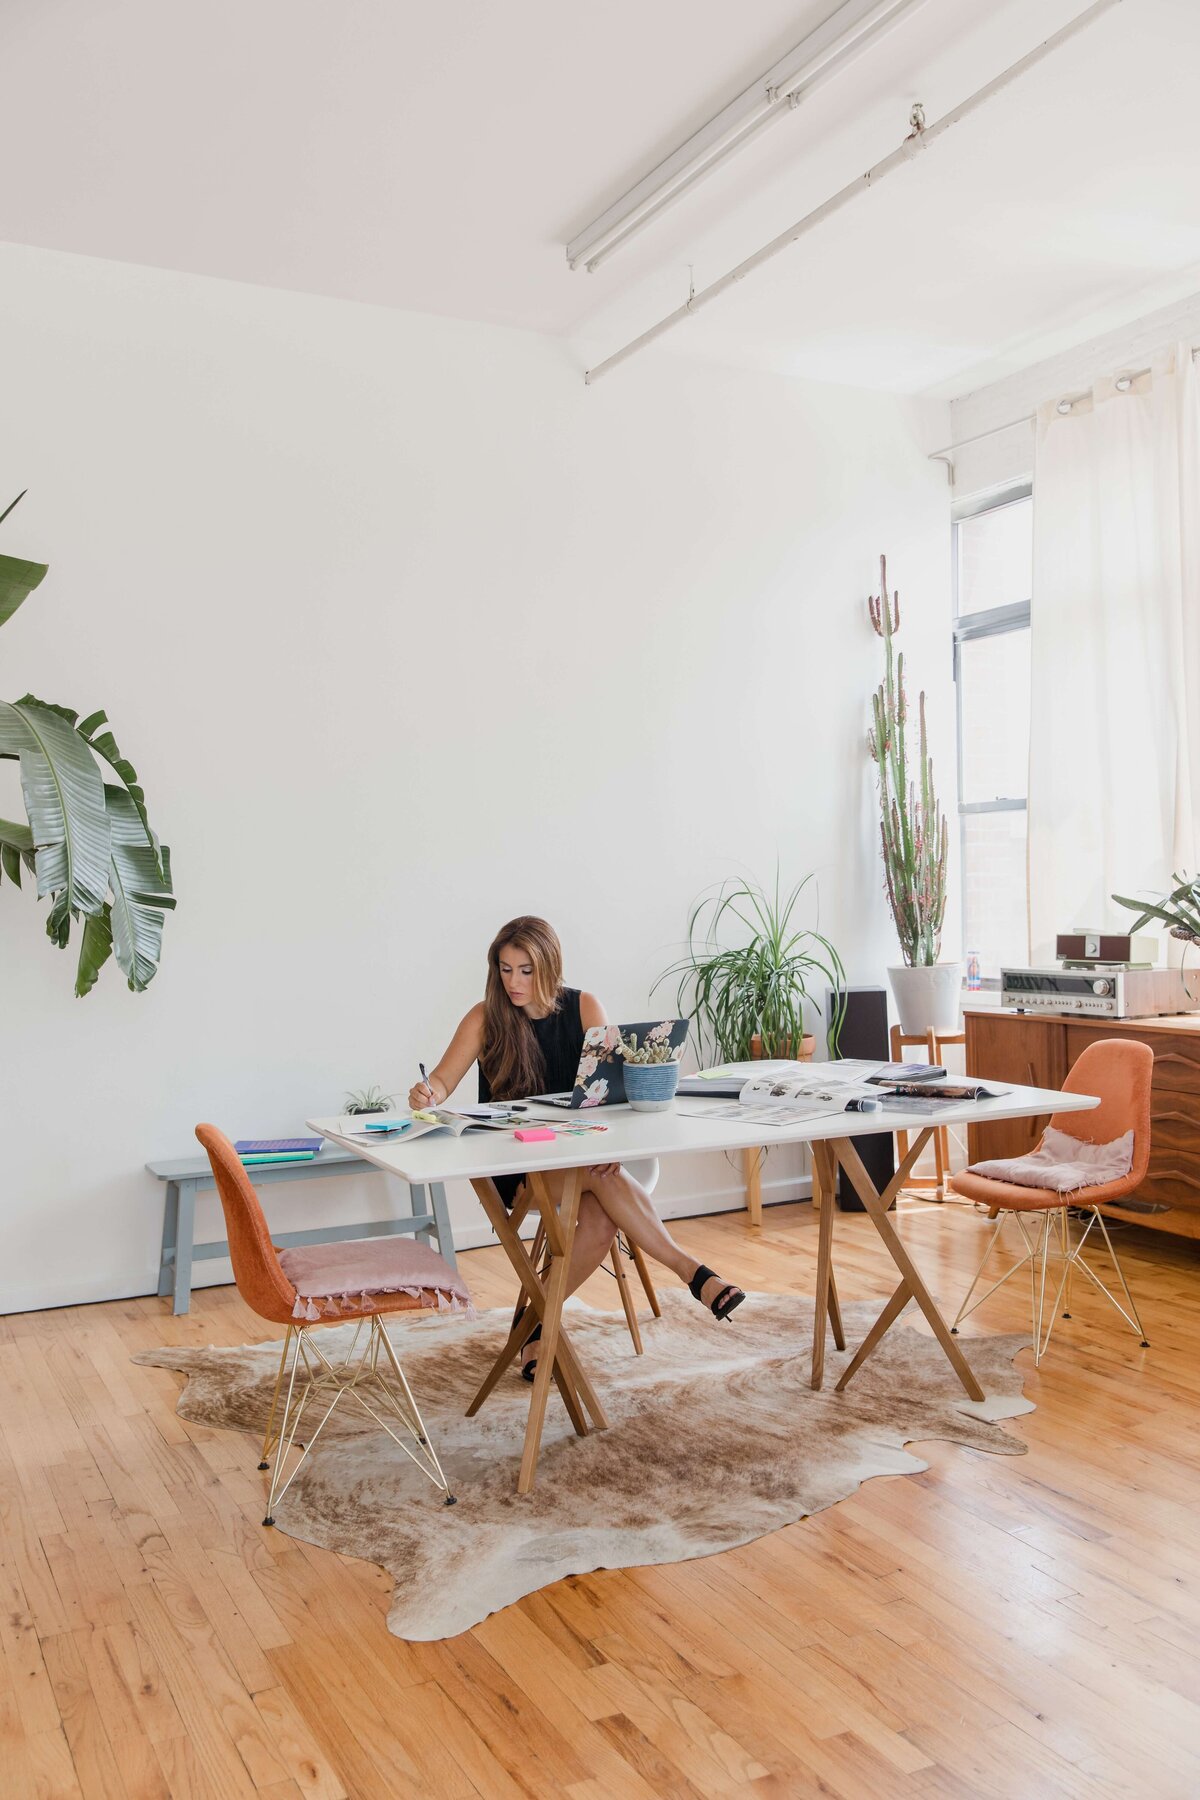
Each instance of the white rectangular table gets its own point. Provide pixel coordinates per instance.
(689, 1127)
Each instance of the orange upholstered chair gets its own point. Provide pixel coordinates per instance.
(1119, 1071)
(314, 1286)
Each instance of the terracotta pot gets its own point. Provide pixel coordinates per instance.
(807, 1046)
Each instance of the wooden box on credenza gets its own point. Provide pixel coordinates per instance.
(1037, 1049)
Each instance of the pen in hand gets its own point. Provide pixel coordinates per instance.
(423, 1094)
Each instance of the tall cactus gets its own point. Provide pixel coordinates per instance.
(914, 833)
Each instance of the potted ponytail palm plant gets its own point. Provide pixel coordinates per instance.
(748, 997)
(915, 840)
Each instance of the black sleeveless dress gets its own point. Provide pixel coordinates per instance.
(560, 1038)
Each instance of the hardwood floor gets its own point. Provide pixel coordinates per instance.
(999, 1626)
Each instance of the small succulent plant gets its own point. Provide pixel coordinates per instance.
(369, 1100)
(654, 1048)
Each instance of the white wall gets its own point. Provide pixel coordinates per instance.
(407, 631)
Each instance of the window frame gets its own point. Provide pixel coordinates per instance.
(989, 622)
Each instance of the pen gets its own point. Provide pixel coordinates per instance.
(425, 1078)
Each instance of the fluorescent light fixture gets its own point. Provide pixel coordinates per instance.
(825, 51)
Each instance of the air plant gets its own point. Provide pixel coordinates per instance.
(369, 1100)
(914, 833)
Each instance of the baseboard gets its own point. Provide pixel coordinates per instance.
(79, 1293)
(781, 1192)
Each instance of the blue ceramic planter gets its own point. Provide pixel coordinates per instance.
(650, 1087)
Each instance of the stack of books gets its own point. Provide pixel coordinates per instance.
(255, 1152)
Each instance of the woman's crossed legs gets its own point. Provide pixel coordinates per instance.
(612, 1201)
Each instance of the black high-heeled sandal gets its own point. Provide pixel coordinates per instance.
(529, 1369)
(727, 1301)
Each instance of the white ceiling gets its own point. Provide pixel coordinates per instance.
(437, 158)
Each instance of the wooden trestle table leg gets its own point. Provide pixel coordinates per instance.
(557, 1359)
(752, 1161)
(911, 1286)
(827, 1310)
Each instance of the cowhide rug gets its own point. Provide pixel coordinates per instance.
(714, 1438)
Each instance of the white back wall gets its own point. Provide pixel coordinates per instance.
(407, 631)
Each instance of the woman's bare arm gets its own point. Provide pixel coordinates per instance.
(463, 1050)
(591, 1012)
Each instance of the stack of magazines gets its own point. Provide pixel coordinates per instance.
(260, 1152)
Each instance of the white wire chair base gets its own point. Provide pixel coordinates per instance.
(1056, 1224)
(371, 1379)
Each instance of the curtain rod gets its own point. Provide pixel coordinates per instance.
(1128, 377)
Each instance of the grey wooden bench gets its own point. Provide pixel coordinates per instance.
(184, 1177)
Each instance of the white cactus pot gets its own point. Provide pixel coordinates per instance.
(929, 998)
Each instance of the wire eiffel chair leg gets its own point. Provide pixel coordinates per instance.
(438, 1477)
(268, 1439)
(284, 1441)
(1132, 1317)
(967, 1308)
(1050, 1231)
(1044, 1248)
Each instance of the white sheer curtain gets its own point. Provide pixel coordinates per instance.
(1114, 755)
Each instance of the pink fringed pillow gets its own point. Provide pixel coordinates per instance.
(1062, 1163)
(330, 1279)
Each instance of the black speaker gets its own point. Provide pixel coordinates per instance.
(864, 1038)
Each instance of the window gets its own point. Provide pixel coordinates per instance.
(993, 581)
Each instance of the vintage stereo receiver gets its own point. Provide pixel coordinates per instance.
(1102, 993)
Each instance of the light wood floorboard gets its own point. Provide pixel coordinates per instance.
(1007, 1628)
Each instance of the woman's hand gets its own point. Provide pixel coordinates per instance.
(464, 1049)
(613, 1168)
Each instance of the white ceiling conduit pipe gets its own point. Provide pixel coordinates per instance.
(824, 52)
(919, 139)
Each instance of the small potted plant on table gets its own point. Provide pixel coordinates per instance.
(651, 1068)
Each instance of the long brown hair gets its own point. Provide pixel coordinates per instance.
(511, 1057)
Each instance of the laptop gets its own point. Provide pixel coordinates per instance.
(600, 1077)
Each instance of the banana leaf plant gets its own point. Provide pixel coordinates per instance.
(1179, 910)
(88, 842)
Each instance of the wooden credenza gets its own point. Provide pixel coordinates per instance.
(1037, 1049)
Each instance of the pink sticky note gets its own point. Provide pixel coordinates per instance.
(541, 1135)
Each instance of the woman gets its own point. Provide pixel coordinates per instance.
(526, 1034)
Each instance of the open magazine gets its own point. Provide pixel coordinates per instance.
(388, 1128)
(793, 1095)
